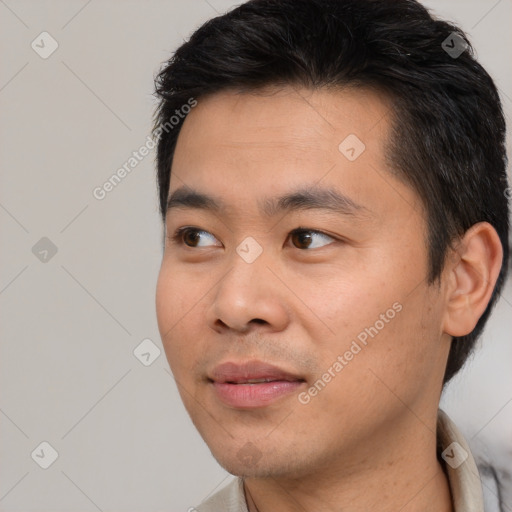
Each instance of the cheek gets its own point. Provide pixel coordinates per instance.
(385, 320)
(404, 356)
(365, 283)
(166, 300)
(176, 296)
(384, 365)
(350, 302)
(178, 293)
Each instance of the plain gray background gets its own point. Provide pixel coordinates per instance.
(71, 320)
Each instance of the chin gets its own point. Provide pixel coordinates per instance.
(249, 462)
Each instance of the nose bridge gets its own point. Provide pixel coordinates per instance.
(249, 274)
(247, 291)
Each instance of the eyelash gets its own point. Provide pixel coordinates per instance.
(177, 237)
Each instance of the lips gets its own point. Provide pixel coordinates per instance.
(251, 372)
(252, 384)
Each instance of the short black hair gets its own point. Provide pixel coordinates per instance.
(448, 128)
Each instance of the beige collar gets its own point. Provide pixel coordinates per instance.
(465, 484)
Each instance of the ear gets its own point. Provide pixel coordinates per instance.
(471, 274)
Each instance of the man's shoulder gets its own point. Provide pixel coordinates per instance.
(230, 498)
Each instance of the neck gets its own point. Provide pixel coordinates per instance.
(407, 477)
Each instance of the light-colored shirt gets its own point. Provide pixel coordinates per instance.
(463, 476)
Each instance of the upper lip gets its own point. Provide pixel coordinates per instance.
(239, 373)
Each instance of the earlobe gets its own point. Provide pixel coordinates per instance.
(472, 275)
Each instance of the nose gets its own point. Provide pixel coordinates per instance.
(247, 297)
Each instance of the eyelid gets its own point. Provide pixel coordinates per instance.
(311, 230)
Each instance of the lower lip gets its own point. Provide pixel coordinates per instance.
(247, 396)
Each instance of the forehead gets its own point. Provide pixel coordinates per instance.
(307, 120)
(251, 146)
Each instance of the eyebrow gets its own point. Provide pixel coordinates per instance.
(313, 198)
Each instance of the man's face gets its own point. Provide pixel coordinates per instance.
(341, 309)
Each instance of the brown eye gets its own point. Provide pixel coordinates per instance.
(191, 237)
(301, 239)
(305, 238)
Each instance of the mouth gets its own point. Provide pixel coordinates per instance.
(252, 384)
